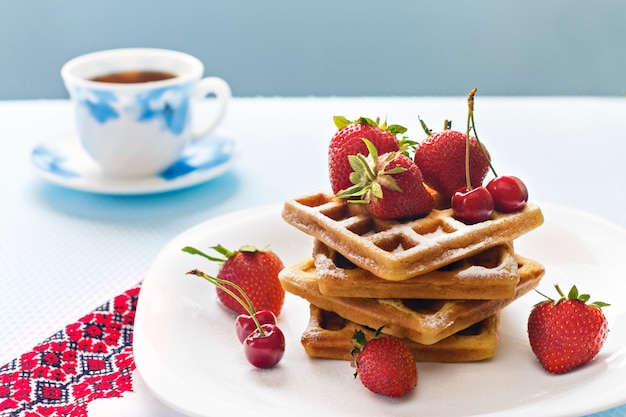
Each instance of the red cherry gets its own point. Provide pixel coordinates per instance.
(244, 325)
(509, 193)
(265, 349)
(473, 206)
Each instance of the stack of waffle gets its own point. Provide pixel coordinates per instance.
(434, 282)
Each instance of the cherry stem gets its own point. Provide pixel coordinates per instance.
(482, 148)
(470, 112)
(470, 121)
(242, 299)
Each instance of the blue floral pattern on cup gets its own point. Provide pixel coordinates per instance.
(170, 105)
(100, 104)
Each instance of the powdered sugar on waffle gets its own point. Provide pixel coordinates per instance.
(483, 272)
(435, 322)
(396, 250)
(325, 265)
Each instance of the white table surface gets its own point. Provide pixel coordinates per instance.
(65, 252)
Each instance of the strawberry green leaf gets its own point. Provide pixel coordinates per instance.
(370, 175)
(355, 178)
(195, 251)
(584, 298)
(341, 121)
(224, 251)
(369, 121)
(359, 337)
(377, 190)
(379, 331)
(372, 149)
(573, 293)
(358, 165)
(396, 129)
(356, 190)
(407, 146)
(362, 191)
(388, 181)
(358, 341)
(428, 131)
(252, 248)
(395, 170)
(599, 304)
(387, 158)
(362, 169)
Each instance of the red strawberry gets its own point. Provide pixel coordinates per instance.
(391, 187)
(568, 332)
(348, 141)
(255, 271)
(384, 365)
(441, 158)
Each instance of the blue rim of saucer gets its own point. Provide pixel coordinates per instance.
(62, 160)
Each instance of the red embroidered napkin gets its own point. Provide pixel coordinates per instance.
(89, 359)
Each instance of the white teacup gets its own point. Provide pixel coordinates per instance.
(138, 128)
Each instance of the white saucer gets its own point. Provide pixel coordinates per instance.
(63, 161)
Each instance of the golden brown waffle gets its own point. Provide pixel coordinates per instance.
(398, 250)
(423, 321)
(486, 275)
(330, 336)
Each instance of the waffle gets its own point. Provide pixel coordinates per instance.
(490, 274)
(398, 250)
(423, 321)
(330, 336)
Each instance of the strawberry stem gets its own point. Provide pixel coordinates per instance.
(558, 289)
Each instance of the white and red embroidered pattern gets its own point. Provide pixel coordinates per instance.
(89, 359)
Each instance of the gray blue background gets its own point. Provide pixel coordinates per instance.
(333, 47)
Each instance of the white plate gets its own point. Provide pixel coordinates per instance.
(187, 353)
(62, 161)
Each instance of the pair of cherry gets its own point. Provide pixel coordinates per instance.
(505, 194)
(263, 341)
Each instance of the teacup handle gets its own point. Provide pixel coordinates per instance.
(221, 89)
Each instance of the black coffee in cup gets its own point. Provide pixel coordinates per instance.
(132, 77)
